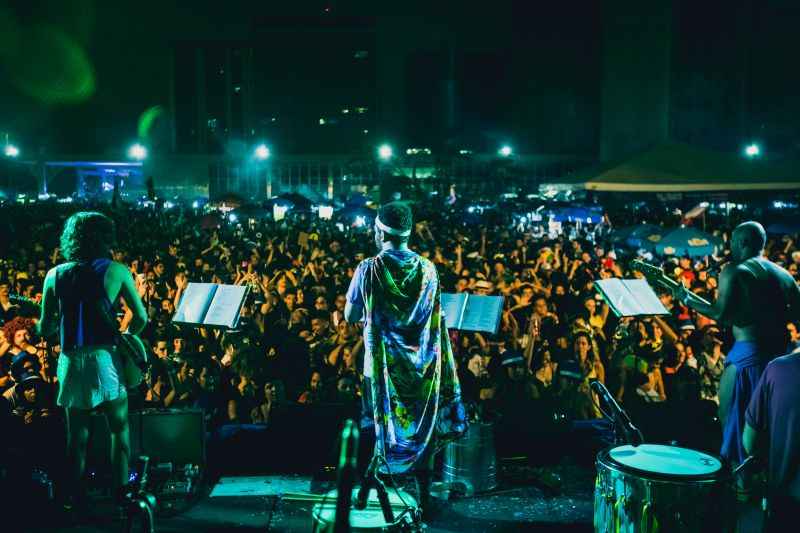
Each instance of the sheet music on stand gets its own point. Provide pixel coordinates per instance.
(630, 297)
(471, 312)
(210, 304)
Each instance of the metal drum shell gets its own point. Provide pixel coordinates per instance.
(630, 500)
(471, 461)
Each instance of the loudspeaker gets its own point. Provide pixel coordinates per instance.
(172, 435)
(177, 436)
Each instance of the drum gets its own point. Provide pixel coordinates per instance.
(367, 520)
(653, 488)
(471, 461)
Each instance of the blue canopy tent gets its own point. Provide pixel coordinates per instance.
(687, 241)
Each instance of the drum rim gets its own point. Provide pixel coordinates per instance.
(604, 458)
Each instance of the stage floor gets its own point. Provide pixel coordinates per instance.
(552, 498)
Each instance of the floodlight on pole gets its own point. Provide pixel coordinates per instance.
(137, 152)
(505, 151)
(11, 150)
(385, 152)
(752, 150)
(262, 152)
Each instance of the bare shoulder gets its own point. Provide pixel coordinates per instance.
(51, 274)
(118, 270)
(731, 271)
(50, 277)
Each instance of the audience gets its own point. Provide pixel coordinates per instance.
(293, 345)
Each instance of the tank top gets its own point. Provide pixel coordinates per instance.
(81, 294)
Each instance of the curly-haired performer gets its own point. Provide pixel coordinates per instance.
(412, 396)
(89, 370)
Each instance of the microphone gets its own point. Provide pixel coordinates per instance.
(348, 466)
(632, 433)
(366, 484)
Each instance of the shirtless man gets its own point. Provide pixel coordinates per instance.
(757, 298)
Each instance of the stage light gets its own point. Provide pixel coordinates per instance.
(752, 150)
(137, 152)
(11, 150)
(385, 152)
(195, 204)
(232, 218)
(505, 151)
(262, 153)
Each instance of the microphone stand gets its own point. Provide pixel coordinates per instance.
(371, 481)
(348, 465)
(622, 422)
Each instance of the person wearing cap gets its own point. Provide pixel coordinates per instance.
(483, 287)
(412, 396)
(27, 396)
(686, 328)
(757, 298)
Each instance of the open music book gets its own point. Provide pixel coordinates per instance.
(209, 304)
(630, 297)
(471, 312)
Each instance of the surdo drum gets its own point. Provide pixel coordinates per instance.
(656, 488)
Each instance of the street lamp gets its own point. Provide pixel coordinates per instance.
(11, 150)
(262, 153)
(137, 152)
(385, 152)
(752, 150)
(505, 151)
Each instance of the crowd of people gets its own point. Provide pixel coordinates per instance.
(293, 345)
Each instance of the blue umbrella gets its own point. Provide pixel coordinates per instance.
(687, 241)
(645, 236)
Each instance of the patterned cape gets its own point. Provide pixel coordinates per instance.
(411, 389)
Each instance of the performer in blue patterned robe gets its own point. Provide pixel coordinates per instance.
(411, 392)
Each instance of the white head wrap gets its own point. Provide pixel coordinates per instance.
(391, 231)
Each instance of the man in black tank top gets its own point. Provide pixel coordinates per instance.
(90, 375)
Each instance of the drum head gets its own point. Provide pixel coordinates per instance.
(665, 460)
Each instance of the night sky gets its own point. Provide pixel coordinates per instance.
(77, 74)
